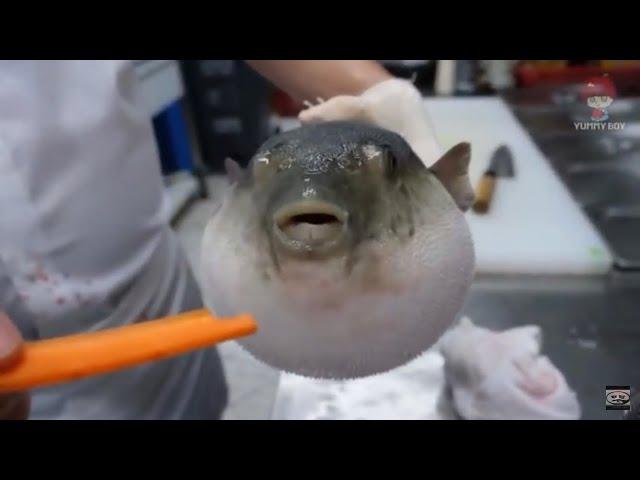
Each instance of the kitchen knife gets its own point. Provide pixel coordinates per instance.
(500, 166)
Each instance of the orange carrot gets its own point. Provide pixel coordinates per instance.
(63, 359)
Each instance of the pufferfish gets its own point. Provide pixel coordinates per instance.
(351, 254)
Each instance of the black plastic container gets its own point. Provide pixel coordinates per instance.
(230, 104)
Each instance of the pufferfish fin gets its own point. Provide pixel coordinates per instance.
(452, 169)
(234, 171)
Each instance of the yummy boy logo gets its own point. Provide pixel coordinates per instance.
(598, 94)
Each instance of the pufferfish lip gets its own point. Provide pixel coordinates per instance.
(310, 225)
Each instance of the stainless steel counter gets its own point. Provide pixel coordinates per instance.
(591, 326)
(590, 332)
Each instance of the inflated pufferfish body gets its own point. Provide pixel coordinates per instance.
(351, 254)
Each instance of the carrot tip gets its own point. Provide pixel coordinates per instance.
(73, 357)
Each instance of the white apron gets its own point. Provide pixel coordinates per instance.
(84, 236)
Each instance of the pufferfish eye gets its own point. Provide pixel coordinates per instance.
(285, 164)
(265, 166)
(379, 159)
(262, 168)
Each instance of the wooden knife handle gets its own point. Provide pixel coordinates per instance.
(484, 193)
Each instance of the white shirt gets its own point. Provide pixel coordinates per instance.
(84, 236)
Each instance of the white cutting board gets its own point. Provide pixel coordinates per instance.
(534, 225)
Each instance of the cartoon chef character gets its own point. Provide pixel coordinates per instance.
(599, 94)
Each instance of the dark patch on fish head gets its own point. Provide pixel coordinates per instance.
(322, 189)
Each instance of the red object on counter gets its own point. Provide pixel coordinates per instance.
(598, 86)
(625, 77)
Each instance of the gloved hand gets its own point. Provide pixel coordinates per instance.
(14, 406)
(394, 104)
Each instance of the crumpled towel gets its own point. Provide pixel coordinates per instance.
(502, 375)
(410, 392)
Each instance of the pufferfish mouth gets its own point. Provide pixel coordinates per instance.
(310, 225)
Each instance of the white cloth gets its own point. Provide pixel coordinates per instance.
(84, 236)
(502, 375)
(472, 373)
(414, 391)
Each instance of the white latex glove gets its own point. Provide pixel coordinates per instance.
(394, 104)
(502, 375)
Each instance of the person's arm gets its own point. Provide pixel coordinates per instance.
(310, 79)
(356, 90)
